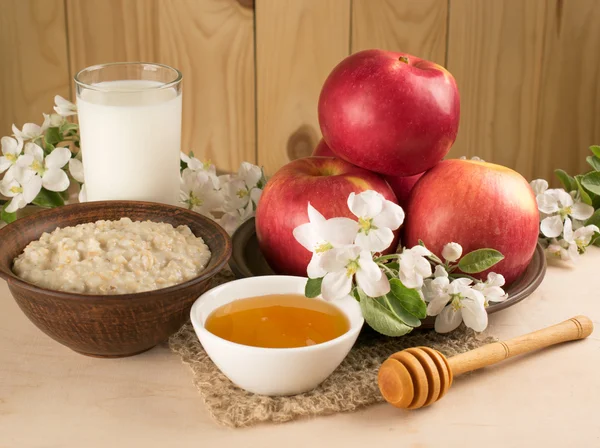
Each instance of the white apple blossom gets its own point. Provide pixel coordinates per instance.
(52, 121)
(11, 151)
(196, 165)
(577, 241)
(346, 263)
(230, 221)
(64, 107)
(558, 207)
(320, 235)
(76, 170)
(413, 266)
(242, 188)
(377, 218)
(452, 252)
(562, 249)
(492, 288)
(538, 186)
(30, 131)
(198, 193)
(22, 186)
(49, 169)
(454, 302)
(474, 158)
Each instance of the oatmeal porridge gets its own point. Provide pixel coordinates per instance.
(113, 257)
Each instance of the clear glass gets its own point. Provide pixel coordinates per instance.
(130, 128)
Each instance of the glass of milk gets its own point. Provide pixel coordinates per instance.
(130, 129)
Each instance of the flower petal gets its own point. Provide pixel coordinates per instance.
(32, 188)
(568, 231)
(305, 234)
(76, 170)
(11, 146)
(336, 285)
(55, 180)
(564, 198)
(4, 164)
(34, 150)
(440, 271)
(82, 194)
(314, 269)
(255, 195)
(367, 204)
(372, 288)
(339, 231)
(314, 216)
(581, 211)
(368, 267)
(6, 186)
(494, 279)
(552, 226)
(377, 240)
(420, 251)
(391, 216)
(539, 186)
(15, 204)
(547, 203)
(335, 260)
(449, 319)
(58, 158)
(251, 174)
(452, 251)
(436, 305)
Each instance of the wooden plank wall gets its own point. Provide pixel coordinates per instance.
(528, 71)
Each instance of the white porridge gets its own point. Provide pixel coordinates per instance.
(113, 257)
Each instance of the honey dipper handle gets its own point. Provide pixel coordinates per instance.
(577, 327)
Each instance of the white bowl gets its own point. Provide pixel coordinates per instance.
(273, 371)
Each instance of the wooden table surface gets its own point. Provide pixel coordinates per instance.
(53, 397)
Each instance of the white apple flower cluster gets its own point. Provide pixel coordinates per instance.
(37, 163)
(563, 230)
(31, 164)
(346, 259)
(228, 199)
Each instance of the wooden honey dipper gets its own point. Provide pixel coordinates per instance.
(419, 376)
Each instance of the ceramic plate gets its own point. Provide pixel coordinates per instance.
(248, 261)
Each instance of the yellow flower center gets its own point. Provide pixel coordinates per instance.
(564, 212)
(365, 225)
(16, 190)
(37, 167)
(456, 303)
(12, 158)
(242, 193)
(352, 267)
(194, 201)
(323, 247)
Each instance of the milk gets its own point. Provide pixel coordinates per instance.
(131, 139)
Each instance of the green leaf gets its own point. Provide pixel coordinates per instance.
(402, 313)
(568, 182)
(67, 127)
(393, 265)
(313, 287)
(595, 150)
(479, 260)
(594, 219)
(48, 199)
(409, 299)
(594, 162)
(585, 197)
(7, 217)
(591, 182)
(53, 136)
(381, 319)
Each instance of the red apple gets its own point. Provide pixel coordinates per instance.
(389, 112)
(402, 186)
(478, 205)
(324, 181)
(322, 150)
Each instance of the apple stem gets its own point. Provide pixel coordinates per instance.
(403, 59)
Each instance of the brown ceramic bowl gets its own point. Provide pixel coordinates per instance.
(109, 325)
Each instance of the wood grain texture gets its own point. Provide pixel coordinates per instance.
(495, 54)
(417, 27)
(210, 41)
(33, 50)
(297, 45)
(110, 325)
(569, 113)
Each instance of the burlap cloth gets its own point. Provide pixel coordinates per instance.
(353, 385)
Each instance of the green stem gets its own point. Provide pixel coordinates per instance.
(394, 274)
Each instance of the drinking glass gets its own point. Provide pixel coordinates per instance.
(130, 129)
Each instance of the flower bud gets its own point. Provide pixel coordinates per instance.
(452, 251)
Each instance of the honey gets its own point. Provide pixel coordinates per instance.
(278, 321)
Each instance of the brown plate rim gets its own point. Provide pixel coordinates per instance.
(221, 262)
(247, 230)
